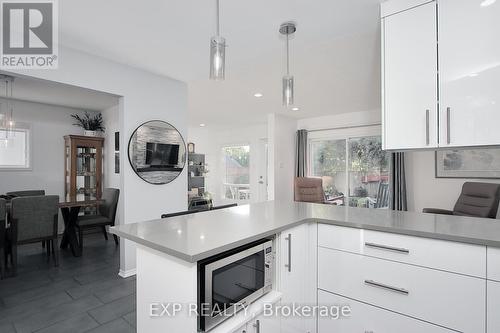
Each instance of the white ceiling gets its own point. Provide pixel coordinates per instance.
(48, 92)
(334, 55)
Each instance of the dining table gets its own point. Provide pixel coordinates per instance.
(70, 208)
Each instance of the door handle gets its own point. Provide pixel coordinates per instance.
(388, 248)
(289, 265)
(427, 116)
(257, 326)
(398, 290)
(448, 117)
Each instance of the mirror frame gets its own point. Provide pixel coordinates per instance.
(183, 144)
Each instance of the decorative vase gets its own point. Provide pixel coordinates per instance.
(90, 133)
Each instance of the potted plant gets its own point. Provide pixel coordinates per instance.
(91, 125)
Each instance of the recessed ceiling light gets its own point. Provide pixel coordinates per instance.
(202, 125)
(487, 3)
(258, 95)
(295, 109)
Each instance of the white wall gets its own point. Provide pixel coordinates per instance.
(210, 142)
(49, 124)
(281, 135)
(145, 96)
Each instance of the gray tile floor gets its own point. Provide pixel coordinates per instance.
(81, 295)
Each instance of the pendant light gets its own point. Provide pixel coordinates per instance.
(7, 121)
(217, 51)
(287, 29)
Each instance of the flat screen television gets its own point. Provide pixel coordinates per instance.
(161, 154)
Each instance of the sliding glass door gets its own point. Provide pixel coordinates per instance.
(355, 170)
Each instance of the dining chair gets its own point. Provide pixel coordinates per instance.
(27, 193)
(34, 219)
(308, 189)
(106, 215)
(3, 237)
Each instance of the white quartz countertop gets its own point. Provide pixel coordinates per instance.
(198, 236)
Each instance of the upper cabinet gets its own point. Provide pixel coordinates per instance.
(440, 73)
(469, 72)
(409, 78)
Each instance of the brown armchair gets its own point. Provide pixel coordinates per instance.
(309, 190)
(476, 199)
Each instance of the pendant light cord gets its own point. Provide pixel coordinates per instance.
(287, 55)
(217, 18)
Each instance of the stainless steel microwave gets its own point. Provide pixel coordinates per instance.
(232, 280)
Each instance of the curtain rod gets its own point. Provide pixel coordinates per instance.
(343, 127)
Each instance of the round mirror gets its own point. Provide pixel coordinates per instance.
(157, 152)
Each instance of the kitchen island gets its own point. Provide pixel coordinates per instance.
(453, 251)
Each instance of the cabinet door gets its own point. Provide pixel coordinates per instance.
(469, 72)
(295, 275)
(242, 329)
(409, 78)
(493, 307)
(261, 324)
(366, 318)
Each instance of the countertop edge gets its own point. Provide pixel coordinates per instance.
(200, 256)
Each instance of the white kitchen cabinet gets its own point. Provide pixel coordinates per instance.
(493, 307)
(406, 289)
(494, 263)
(367, 318)
(242, 329)
(264, 324)
(409, 83)
(467, 259)
(469, 72)
(297, 271)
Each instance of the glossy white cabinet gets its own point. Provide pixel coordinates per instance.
(451, 300)
(297, 271)
(493, 307)
(409, 82)
(469, 72)
(494, 263)
(457, 78)
(366, 318)
(454, 257)
(242, 329)
(264, 324)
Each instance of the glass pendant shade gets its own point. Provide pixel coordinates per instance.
(287, 90)
(217, 58)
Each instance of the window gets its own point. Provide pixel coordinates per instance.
(14, 149)
(236, 178)
(355, 170)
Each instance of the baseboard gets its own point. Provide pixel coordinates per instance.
(125, 274)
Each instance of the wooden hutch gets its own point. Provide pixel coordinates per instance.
(83, 166)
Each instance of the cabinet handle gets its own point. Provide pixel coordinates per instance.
(388, 248)
(427, 135)
(289, 265)
(257, 326)
(372, 283)
(448, 116)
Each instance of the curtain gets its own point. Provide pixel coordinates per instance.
(301, 154)
(398, 182)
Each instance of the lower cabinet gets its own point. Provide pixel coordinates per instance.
(262, 324)
(493, 307)
(369, 319)
(242, 329)
(297, 274)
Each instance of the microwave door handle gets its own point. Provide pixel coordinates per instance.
(289, 265)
